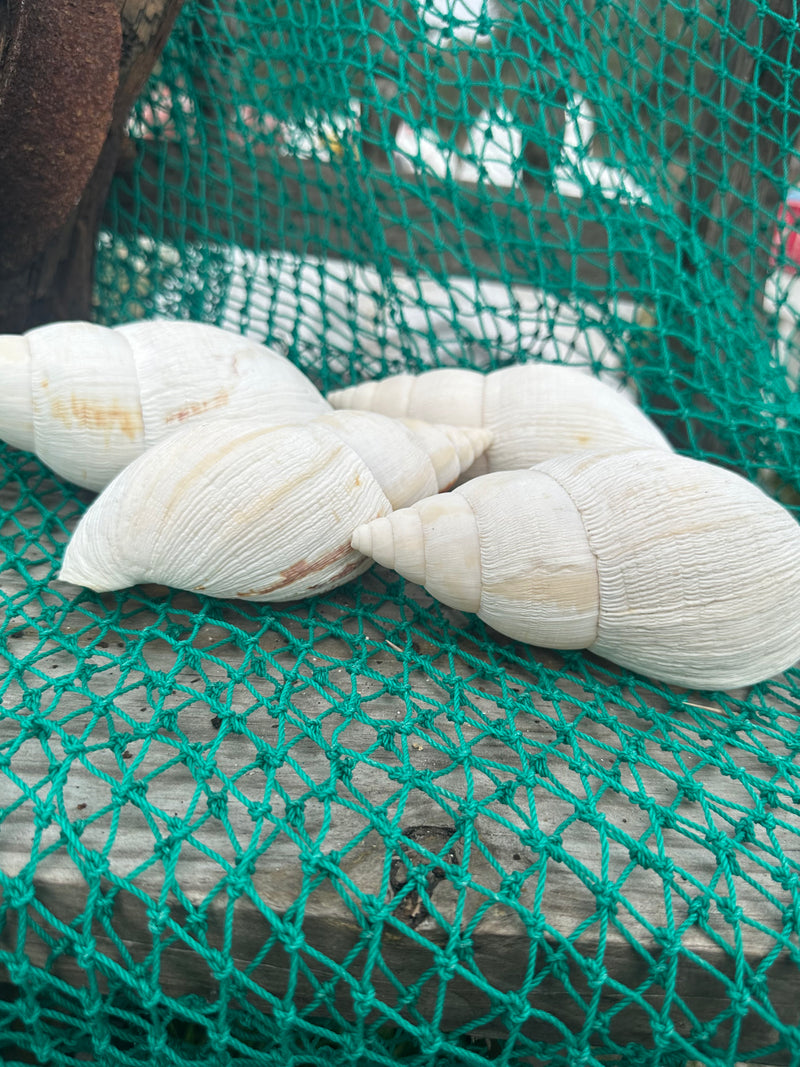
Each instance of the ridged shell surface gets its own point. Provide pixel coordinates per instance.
(534, 410)
(409, 458)
(88, 399)
(674, 568)
(240, 509)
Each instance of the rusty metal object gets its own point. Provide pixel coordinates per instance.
(69, 73)
(58, 77)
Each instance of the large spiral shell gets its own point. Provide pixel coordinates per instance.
(251, 511)
(669, 566)
(534, 410)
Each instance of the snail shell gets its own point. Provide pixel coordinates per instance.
(534, 410)
(88, 399)
(252, 511)
(669, 566)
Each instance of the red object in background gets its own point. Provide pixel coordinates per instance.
(786, 238)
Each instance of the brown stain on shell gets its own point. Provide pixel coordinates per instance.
(303, 568)
(199, 407)
(206, 463)
(114, 417)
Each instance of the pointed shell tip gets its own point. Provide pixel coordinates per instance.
(361, 540)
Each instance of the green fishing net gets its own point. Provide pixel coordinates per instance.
(364, 829)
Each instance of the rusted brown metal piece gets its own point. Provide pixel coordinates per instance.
(69, 73)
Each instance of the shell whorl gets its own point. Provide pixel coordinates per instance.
(96, 397)
(16, 401)
(533, 410)
(410, 459)
(189, 370)
(452, 395)
(452, 450)
(696, 571)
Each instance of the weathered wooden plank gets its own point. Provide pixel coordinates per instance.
(373, 217)
(191, 787)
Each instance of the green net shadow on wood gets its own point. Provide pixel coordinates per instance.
(364, 828)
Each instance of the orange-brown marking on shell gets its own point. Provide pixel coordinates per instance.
(111, 417)
(303, 568)
(189, 411)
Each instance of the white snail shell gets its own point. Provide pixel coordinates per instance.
(671, 567)
(252, 511)
(534, 410)
(88, 399)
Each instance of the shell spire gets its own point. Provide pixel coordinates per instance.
(410, 459)
(452, 449)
